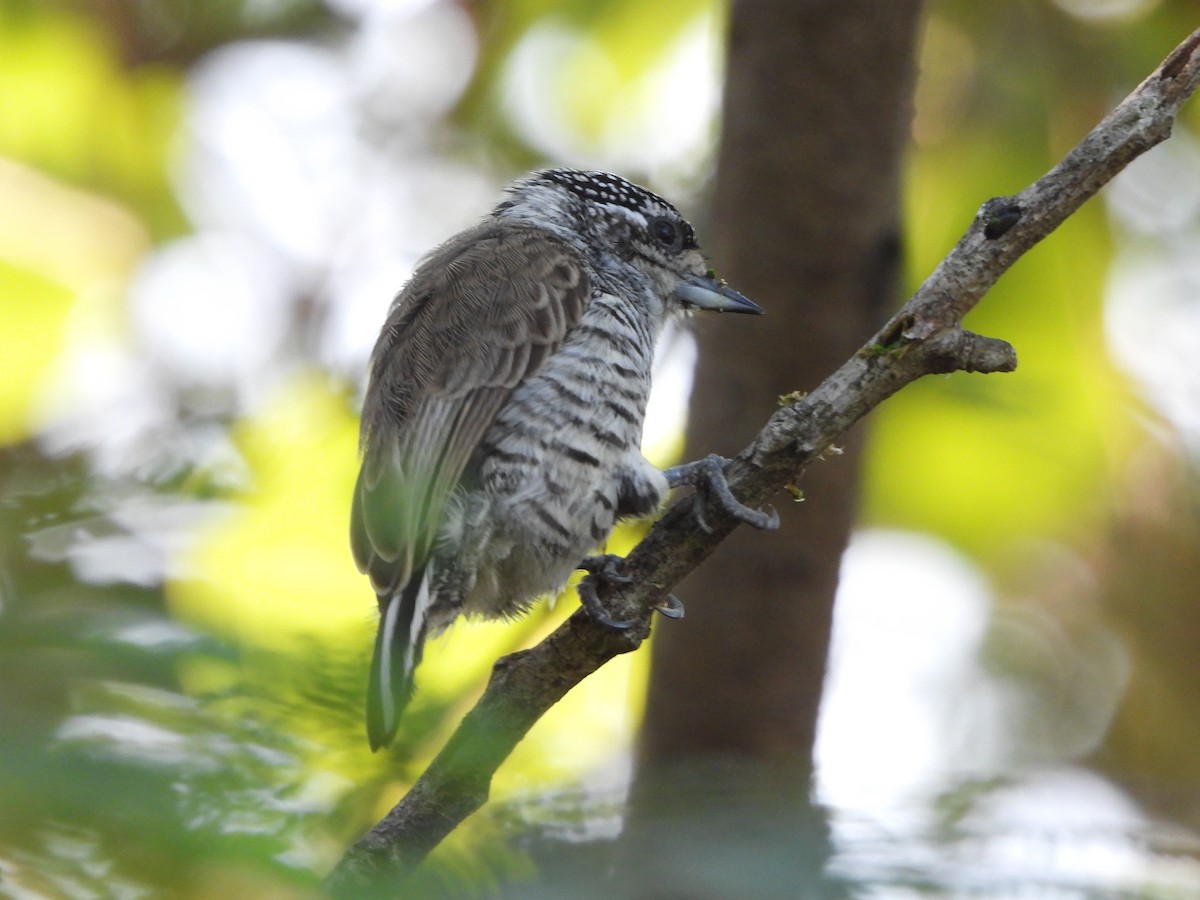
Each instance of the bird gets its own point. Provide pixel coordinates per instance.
(502, 419)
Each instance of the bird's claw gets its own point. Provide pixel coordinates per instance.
(707, 476)
(604, 568)
(670, 606)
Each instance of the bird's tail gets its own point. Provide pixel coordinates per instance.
(398, 646)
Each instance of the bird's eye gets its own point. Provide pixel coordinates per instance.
(665, 232)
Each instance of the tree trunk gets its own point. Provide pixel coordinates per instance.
(805, 220)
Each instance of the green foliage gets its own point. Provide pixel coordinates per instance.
(69, 109)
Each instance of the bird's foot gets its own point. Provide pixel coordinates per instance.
(605, 569)
(707, 476)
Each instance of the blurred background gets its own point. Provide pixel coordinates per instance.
(205, 210)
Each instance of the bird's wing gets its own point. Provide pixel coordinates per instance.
(478, 318)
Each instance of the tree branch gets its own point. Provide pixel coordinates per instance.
(925, 337)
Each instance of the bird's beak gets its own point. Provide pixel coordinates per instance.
(708, 293)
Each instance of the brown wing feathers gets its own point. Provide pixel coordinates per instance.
(478, 318)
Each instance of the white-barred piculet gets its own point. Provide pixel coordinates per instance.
(502, 423)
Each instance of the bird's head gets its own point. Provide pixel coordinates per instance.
(619, 225)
